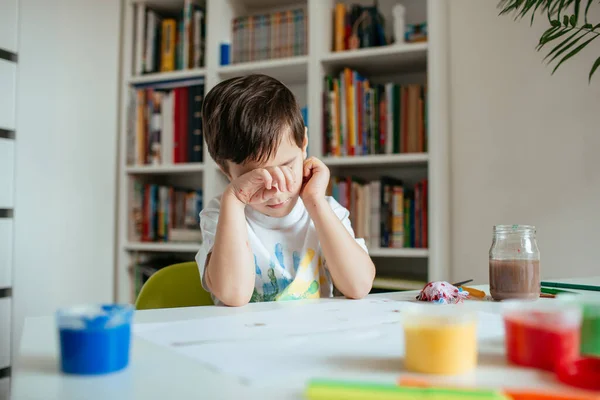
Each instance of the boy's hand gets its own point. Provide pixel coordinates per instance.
(262, 184)
(315, 179)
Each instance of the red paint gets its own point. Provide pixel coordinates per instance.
(539, 340)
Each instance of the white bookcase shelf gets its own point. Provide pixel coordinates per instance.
(380, 60)
(164, 169)
(168, 76)
(162, 247)
(426, 62)
(290, 70)
(378, 160)
(405, 253)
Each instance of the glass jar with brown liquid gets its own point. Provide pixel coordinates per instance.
(514, 263)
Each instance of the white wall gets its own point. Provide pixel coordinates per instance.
(66, 152)
(524, 144)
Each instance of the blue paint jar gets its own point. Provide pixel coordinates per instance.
(94, 339)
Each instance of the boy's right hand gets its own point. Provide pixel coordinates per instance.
(262, 184)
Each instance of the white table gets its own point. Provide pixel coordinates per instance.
(157, 373)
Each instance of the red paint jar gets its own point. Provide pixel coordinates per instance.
(542, 334)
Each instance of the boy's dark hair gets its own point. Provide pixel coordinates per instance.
(243, 119)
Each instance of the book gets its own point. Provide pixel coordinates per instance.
(166, 42)
(267, 36)
(161, 213)
(362, 118)
(165, 124)
(385, 212)
(357, 26)
(167, 59)
(139, 38)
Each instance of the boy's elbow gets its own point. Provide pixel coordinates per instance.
(237, 301)
(234, 298)
(361, 287)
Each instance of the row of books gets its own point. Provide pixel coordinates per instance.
(362, 118)
(164, 214)
(269, 36)
(356, 26)
(385, 212)
(144, 265)
(167, 42)
(165, 126)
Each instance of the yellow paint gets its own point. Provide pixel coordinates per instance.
(300, 284)
(306, 260)
(439, 346)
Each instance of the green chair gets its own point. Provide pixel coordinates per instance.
(177, 285)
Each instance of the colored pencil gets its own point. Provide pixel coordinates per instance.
(571, 286)
(457, 284)
(321, 389)
(555, 291)
(514, 394)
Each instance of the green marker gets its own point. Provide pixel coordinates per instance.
(556, 291)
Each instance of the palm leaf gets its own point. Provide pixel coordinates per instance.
(566, 47)
(539, 3)
(564, 42)
(587, 7)
(572, 53)
(576, 9)
(594, 68)
(553, 36)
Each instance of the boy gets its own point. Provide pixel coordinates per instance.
(272, 234)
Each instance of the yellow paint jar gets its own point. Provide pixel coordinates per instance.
(440, 339)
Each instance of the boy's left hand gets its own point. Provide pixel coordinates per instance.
(315, 179)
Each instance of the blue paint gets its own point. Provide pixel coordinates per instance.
(94, 340)
(279, 254)
(256, 267)
(296, 258)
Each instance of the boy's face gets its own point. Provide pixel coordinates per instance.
(288, 154)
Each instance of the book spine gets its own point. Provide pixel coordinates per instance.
(141, 127)
(184, 142)
(343, 116)
(148, 53)
(339, 29)
(389, 121)
(131, 126)
(155, 126)
(187, 33)
(384, 214)
(196, 42)
(337, 146)
(375, 227)
(404, 120)
(197, 142)
(251, 38)
(190, 124)
(167, 60)
(177, 107)
(398, 217)
(407, 222)
(140, 45)
(425, 208)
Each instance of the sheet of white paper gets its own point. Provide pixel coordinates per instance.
(296, 343)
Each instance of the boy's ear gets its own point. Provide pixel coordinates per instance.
(305, 143)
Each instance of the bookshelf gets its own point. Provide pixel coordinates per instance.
(304, 75)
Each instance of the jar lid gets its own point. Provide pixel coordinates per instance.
(583, 373)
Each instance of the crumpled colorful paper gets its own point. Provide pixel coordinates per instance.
(442, 292)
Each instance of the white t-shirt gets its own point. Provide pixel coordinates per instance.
(287, 256)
